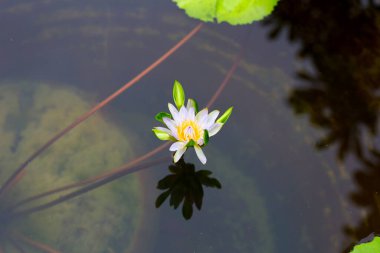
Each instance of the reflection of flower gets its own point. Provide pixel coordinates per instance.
(184, 184)
(186, 126)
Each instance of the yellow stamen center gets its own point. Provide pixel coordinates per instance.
(189, 130)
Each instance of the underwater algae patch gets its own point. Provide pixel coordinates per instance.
(104, 220)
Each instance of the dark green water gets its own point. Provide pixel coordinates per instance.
(298, 159)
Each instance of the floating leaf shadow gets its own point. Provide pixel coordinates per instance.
(185, 185)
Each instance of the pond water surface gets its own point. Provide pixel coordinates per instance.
(298, 159)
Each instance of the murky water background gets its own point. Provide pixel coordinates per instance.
(279, 194)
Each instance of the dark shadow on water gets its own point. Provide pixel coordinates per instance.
(185, 185)
(367, 196)
(340, 93)
(342, 42)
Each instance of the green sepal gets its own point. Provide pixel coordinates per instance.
(193, 103)
(205, 137)
(191, 143)
(159, 116)
(178, 94)
(223, 119)
(162, 135)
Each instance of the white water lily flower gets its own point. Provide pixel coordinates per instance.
(186, 127)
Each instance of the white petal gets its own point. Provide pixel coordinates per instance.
(174, 112)
(179, 154)
(177, 145)
(191, 114)
(183, 113)
(214, 129)
(200, 154)
(210, 119)
(201, 116)
(213, 115)
(172, 126)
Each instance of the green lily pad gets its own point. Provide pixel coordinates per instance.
(234, 12)
(369, 247)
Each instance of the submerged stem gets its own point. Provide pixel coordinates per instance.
(16, 175)
(90, 180)
(17, 245)
(122, 172)
(226, 80)
(37, 245)
(230, 72)
(15, 181)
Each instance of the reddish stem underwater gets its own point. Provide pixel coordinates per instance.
(225, 81)
(15, 181)
(11, 180)
(35, 244)
(116, 175)
(17, 245)
(92, 179)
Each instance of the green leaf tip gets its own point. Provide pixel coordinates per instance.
(178, 94)
(161, 134)
(369, 247)
(234, 12)
(223, 119)
(159, 116)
